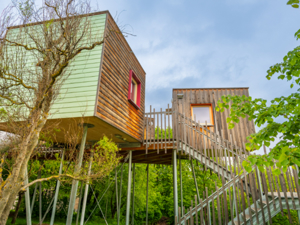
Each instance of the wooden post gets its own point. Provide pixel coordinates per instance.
(175, 192)
(86, 190)
(117, 198)
(40, 202)
(77, 170)
(57, 190)
(27, 200)
(147, 194)
(128, 189)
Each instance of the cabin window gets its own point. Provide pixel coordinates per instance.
(134, 90)
(202, 113)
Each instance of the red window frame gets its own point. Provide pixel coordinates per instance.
(138, 93)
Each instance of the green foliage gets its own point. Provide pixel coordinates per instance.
(279, 118)
(162, 133)
(283, 220)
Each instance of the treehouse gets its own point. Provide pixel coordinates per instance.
(105, 88)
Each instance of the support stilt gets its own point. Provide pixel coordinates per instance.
(27, 200)
(128, 189)
(181, 188)
(195, 181)
(33, 197)
(77, 170)
(79, 203)
(57, 190)
(133, 186)
(117, 198)
(40, 203)
(119, 206)
(175, 192)
(147, 194)
(86, 191)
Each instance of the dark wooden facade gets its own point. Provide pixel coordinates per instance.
(211, 96)
(112, 104)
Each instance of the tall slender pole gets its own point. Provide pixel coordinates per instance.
(79, 203)
(195, 181)
(133, 187)
(40, 203)
(117, 198)
(175, 192)
(128, 189)
(86, 190)
(77, 170)
(119, 206)
(181, 187)
(57, 189)
(33, 197)
(27, 200)
(147, 194)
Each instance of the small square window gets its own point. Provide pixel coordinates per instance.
(203, 113)
(134, 90)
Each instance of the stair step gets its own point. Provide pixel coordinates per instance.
(253, 208)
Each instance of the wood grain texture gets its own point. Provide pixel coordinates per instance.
(112, 101)
(211, 95)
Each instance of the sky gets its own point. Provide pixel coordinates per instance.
(198, 44)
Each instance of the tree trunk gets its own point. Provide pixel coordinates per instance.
(17, 208)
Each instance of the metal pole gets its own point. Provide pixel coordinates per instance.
(117, 198)
(175, 193)
(57, 190)
(181, 189)
(86, 190)
(128, 189)
(27, 200)
(40, 203)
(147, 194)
(76, 170)
(33, 197)
(133, 185)
(298, 211)
(79, 203)
(195, 181)
(120, 194)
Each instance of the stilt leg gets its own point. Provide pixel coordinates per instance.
(128, 189)
(86, 191)
(119, 206)
(117, 198)
(79, 203)
(40, 204)
(133, 185)
(175, 193)
(27, 200)
(33, 197)
(75, 182)
(147, 194)
(57, 190)
(195, 181)
(181, 191)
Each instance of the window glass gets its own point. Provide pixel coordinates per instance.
(133, 91)
(202, 113)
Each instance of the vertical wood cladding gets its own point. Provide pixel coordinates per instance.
(112, 102)
(211, 95)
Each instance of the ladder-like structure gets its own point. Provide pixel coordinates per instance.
(244, 198)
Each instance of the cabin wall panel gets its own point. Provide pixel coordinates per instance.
(112, 102)
(202, 96)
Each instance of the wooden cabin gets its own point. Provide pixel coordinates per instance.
(200, 103)
(106, 88)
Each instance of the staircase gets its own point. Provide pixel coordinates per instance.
(244, 198)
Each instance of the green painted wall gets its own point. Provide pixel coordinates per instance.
(78, 93)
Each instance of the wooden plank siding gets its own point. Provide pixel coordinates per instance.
(211, 95)
(112, 104)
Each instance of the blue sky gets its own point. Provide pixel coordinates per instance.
(194, 44)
